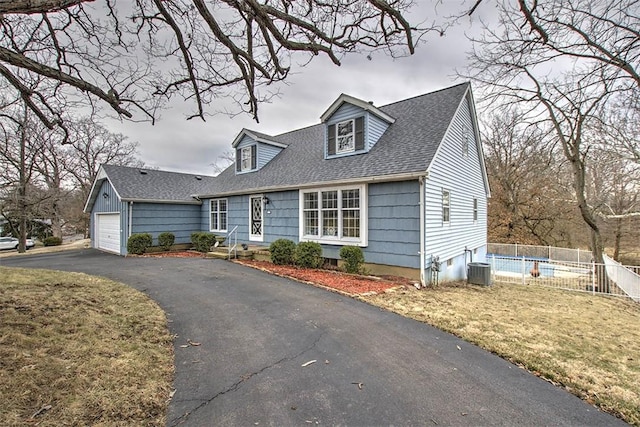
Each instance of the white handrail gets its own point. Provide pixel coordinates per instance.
(233, 247)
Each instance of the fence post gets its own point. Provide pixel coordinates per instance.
(578, 255)
(593, 277)
(516, 249)
(549, 255)
(493, 267)
(524, 267)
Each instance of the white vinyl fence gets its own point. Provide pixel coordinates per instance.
(553, 267)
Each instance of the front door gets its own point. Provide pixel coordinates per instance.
(255, 220)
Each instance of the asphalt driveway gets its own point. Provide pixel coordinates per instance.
(372, 367)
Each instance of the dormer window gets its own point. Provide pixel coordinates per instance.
(346, 142)
(246, 158)
(345, 137)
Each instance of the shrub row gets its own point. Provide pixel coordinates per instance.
(309, 255)
(52, 241)
(139, 243)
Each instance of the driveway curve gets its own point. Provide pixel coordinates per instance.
(258, 333)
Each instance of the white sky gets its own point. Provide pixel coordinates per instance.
(176, 144)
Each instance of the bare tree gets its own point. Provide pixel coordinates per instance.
(223, 161)
(142, 53)
(92, 145)
(518, 64)
(529, 203)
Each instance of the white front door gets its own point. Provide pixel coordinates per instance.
(255, 219)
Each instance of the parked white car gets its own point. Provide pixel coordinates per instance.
(12, 243)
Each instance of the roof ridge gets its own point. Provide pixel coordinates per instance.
(146, 168)
(426, 94)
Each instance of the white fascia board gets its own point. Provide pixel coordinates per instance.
(364, 180)
(256, 138)
(358, 103)
(100, 177)
(480, 150)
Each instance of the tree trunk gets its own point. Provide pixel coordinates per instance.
(22, 188)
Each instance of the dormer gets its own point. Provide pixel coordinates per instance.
(352, 126)
(254, 150)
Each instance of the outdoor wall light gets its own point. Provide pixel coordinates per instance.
(266, 200)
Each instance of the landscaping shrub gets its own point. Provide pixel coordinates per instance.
(353, 258)
(282, 251)
(138, 243)
(309, 254)
(52, 241)
(166, 240)
(202, 241)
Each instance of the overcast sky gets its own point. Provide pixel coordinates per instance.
(176, 144)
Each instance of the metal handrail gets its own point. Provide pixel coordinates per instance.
(233, 247)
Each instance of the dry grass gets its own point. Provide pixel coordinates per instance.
(590, 345)
(96, 351)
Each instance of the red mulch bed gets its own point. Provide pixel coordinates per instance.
(351, 284)
(347, 283)
(175, 254)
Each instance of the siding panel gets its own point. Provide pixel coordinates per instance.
(376, 127)
(156, 218)
(462, 176)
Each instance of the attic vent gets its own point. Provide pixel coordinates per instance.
(199, 178)
(143, 172)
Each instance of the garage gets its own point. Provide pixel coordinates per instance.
(108, 232)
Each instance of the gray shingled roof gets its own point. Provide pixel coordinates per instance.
(407, 146)
(156, 185)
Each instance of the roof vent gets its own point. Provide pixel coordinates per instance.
(143, 172)
(371, 102)
(199, 178)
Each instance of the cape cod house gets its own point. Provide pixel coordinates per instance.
(405, 181)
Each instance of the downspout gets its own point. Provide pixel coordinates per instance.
(422, 239)
(130, 220)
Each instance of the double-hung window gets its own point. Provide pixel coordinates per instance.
(218, 215)
(334, 215)
(245, 162)
(446, 207)
(345, 137)
(475, 210)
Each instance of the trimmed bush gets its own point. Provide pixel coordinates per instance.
(309, 255)
(202, 241)
(166, 240)
(353, 259)
(52, 241)
(138, 243)
(282, 251)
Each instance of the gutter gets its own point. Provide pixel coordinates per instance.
(336, 183)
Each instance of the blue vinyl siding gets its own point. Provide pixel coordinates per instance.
(394, 221)
(110, 204)
(375, 127)
(156, 218)
(462, 176)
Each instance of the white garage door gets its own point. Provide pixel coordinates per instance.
(109, 232)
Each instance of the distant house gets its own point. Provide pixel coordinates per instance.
(406, 182)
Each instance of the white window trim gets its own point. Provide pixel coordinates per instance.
(244, 150)
(361, 241)
(353, 137)
(210, 213)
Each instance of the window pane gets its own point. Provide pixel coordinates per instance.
(351, 223)
(350, 199)
(310, 200)
(329, 222)
(222, 205)
(329, 200)
(223, 221)
(311, 223)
